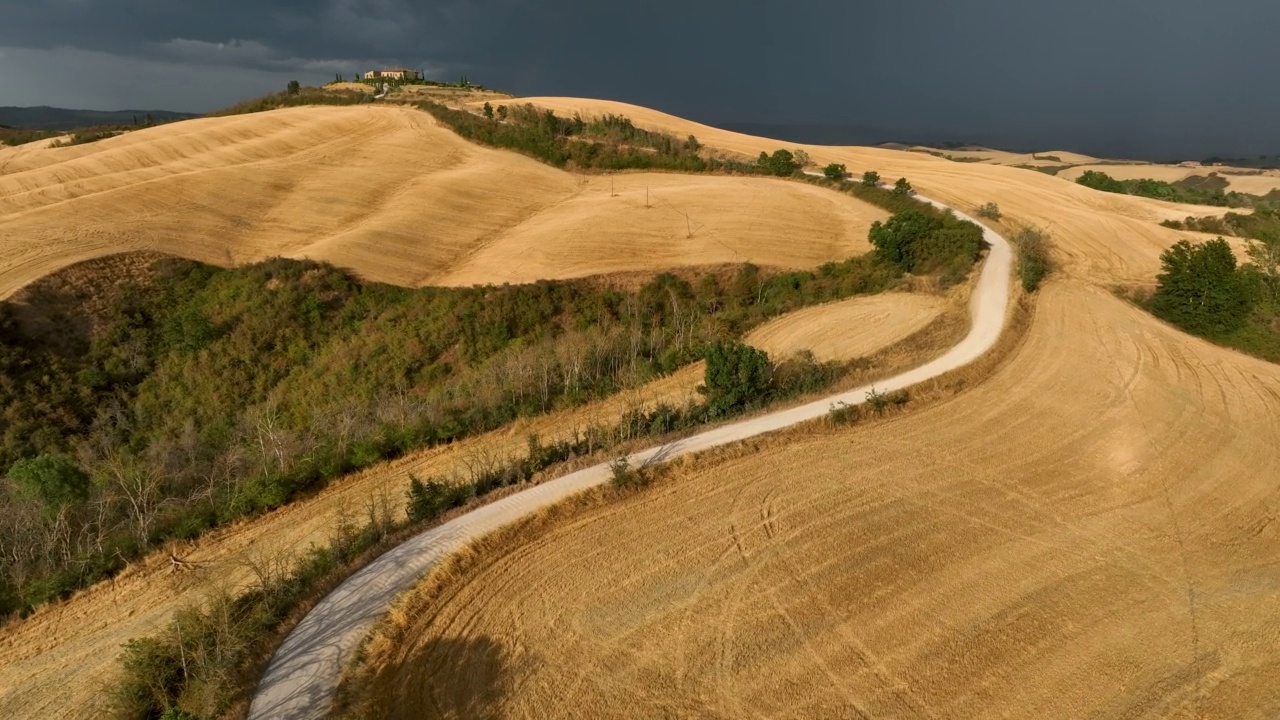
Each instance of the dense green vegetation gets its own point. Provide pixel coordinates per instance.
(921, 242)
(1195, 191)
(209, 394)
(1204, 291)
(1263, 224)
(1262, 162)
(611, 142)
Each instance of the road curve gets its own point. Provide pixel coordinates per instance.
(303, 677)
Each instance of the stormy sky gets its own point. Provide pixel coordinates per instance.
(1136, 77)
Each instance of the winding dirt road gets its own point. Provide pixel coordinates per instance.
(304, 674)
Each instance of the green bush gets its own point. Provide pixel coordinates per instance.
(1201, 290)
(871, 178)
(53, 479)
(782, 163)
(918, 241)
(902, 187)
(738, 377)
(835, 171)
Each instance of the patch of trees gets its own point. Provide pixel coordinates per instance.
(205, 394)
(1201, 289)
(782, 163)
(296, 97)
(1195, 192)
(918, 241)
(1263, 224)
(611, 142)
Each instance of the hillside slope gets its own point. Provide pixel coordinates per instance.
(1090, 533)
(385, 191)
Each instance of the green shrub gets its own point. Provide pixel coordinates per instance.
(1033, 257)
(782, 163)
(902, 187)
(871, 178)
(989, 211)
(835, 171)
(918, 241)
(737, 377)
(53, 479)
(1201, 290)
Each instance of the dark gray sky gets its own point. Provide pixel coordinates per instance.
(1136, 76)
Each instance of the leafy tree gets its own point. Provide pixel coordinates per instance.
(53, 479)
(294, 87)
(488, 111)
(835, 171)
(737, 376)
(801, 158)
(782, 163)
(692, 145)
(1201, 290)
(897, 241)
(502, 112)
(428, 499)
(902, 187)
(989, 211)
(870, 178)
(920, 241)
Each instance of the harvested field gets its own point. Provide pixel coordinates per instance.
(847, 329)
(1106, 238)
(1090, 533)
(385, 191)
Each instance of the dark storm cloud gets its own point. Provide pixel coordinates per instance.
(1103, 75)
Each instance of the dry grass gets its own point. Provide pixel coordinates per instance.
(849, 328)
(387, 192)
(1090, 531)
(1105, 238)
(1082, 535)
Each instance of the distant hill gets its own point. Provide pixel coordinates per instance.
(51, 118)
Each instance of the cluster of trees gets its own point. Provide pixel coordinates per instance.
(919, 241)
(1187, 191)
(608, 143)
(295, 95)
(1263, 224)
(1205, 291)
(1202, 290)
(207, 394)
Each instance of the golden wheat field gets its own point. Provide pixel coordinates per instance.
(1093, 531)
(848, 328)
(385, 191)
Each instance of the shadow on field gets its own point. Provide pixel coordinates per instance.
(460, 679)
